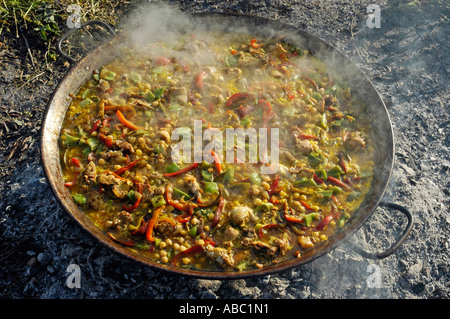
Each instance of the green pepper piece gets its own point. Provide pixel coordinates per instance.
(309, 218)
(228, 175)
(245, 121)
(317, 96)
(336, 171)
(131, 196)
(254, 178)
(289, 112)
(86, 151)
(173, 167)
(79, 199)
(207, 176)
(322, 174)
(323, 121)
(175, 107)
(85, 93)
(135, 77)
(158, 201)
(264, 206)
(150, 97)
(69, 140)
(241, 187)
(193, 231)
(180, 193)
(336, 189)
(314, 159)
(96, 77)
(92, 143)
(326, 194)
(302, 182)
(110, 76)
(353, 195)
(85, 103)
(341, 221)
(158, 93)
(231, 60)
(211, 187)
(206, 165)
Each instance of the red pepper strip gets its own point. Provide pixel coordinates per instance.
(190, 251)
(209, 242)
(324, 222)
(254, 44)
(127, 167)
(311, 81)
(127, 123)
(274, 185)
(337, 182)
(218, 212)
(186, 206)
(199, 80)
(190, 210)
(307, 136)
(335, 200)
(182, 171)
(137, 202)
(141, 230)
(304, 204)
(269, 226)
(274, 200)
(108, 141)
(293, 219)
(217, 162)
(266, 106)
(72, 182)
(152, 223)
(237, 97)
(126, 243)
(342, 162)
(95, 126)
(267, 111)
(76, 162)
(317, 179)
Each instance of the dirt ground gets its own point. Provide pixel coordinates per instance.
(407, 60)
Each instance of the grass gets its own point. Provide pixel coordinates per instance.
(43, 21)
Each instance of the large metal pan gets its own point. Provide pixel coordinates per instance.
(361, 86)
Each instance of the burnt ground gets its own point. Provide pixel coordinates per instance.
(406, 58)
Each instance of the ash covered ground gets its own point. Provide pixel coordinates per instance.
(406, 59)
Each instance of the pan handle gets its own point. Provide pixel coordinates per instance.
(73, 30)
(399, 241)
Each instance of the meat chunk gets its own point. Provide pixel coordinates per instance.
(230, 233)
(121, 221)
(95, 200)
(123, 145)
(193, 185)
(180, 95)
(89, 174)
(220, 255)
(304, 146)
(240, 215)
(119, 186)
(355, 141)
